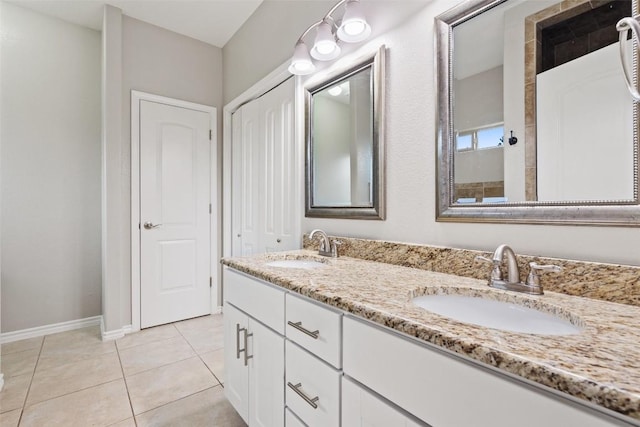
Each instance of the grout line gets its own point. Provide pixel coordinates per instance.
(33, 374)
(178, 400)
(145, 343)
(126, 386)
(200, 356)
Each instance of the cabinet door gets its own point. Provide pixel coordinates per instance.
(236, 382)
(266, 376)
(361, 408)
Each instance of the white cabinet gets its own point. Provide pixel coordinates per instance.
(445, 391)
(313, 388)
(254, 353)
(316, 328)
(361, 408)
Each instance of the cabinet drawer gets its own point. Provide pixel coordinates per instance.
(257, 298)
(360, 408)
(444, 390)
(290, 420)
(318, 385)
(323, 328)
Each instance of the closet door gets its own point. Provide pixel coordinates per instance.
(246, 197)
(280, 214)
(265, 190)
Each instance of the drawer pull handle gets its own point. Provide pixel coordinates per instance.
(246, 347)
(298, 326)
(238, 350)
(310, 401)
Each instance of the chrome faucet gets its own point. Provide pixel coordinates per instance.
(328, 247)
(496, 278)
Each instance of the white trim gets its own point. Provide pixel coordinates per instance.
(273, 79)
(136, 97)
(1, 381)
(115, 334)
(54, 328)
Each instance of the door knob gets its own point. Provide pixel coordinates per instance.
(150, 225)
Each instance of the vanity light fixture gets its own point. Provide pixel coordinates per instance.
(352, 27)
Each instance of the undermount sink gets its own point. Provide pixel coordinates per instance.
(305, 264)
(507, 316)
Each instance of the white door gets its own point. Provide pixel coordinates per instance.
(264, 174)
(236, 373)
(174, 213)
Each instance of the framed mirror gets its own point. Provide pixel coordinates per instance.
(535, 123)
(344, 127)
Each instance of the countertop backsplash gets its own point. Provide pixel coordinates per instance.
(607, 282)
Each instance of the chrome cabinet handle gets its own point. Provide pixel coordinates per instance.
(310, 401)
(246, 347)
(298, 326)
(150, 225)
(238, 330)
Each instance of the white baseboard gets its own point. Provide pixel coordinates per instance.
(217, 310)
(49, 329)
(116, 333)
(1, 381)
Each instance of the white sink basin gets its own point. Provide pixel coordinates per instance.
(305, 264)
(494, 314)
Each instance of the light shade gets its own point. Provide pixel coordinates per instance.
(301, 63)
(354, 27)
(325, 47)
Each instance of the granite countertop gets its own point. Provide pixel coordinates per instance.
(600, 365)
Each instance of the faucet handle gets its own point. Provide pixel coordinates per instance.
(533, 279)
(496, 272)
(483, 259)
(334, 247)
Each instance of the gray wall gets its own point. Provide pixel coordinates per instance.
(411, 151)
(266, 41)
(50, 170)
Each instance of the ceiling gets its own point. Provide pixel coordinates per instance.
(211, 21)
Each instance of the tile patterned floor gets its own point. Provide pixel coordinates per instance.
(170, 375)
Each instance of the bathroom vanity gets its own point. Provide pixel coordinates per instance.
(337, 341)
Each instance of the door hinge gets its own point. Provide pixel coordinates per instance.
(211, 282)
(210, 134)
(209, 208)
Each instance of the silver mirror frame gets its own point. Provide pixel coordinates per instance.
(377, 212)
(619, 213)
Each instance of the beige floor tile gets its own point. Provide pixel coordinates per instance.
(146, 336)
(101, 405)
(73, 377)
(55, 356)
(11, 418)
(19, 363)
(200, 324)
(215, 362)
(14, 392)
(126, 423)
(73, 339)
(207, 408)
(159, 386)
(22, 345)
(148, 356)
(205, 341)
